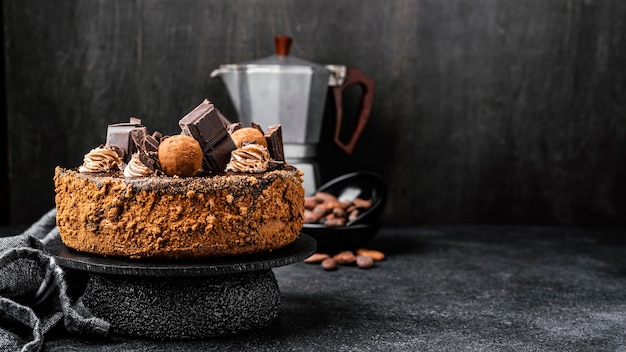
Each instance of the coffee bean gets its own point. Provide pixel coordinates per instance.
(329, 264)
(319, 207)
(334, 221)
(364, 259)
(362, 203)
(364, 262)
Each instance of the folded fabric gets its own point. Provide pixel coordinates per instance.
(34, 297)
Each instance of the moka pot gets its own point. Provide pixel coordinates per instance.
(286, 90)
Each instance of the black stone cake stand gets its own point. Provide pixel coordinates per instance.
(174, 299)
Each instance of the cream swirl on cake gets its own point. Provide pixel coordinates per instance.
(100, 159)
(250, 158)
(136, 168)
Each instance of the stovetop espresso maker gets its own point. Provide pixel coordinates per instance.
(286, 90)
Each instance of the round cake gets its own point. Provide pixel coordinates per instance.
(120, 202)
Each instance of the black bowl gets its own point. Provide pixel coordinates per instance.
(363, 184)
(355, 234)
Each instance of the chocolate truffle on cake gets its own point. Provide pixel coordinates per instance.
(247, 135)
(180, 156)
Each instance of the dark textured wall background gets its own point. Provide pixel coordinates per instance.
(485, 112)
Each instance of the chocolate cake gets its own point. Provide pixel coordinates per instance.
(193, 195)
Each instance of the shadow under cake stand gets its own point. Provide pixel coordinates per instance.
(183, 299)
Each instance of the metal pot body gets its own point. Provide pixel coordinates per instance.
(292, 94)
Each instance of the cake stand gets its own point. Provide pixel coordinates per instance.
(183, 299)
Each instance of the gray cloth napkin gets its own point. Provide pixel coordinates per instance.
(34, 296)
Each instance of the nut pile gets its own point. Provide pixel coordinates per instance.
(363, 258)
(324, 208)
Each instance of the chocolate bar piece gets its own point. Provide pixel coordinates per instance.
(125, 136)
(257, 126)
(274, 139)
(151, 161)
(137, 135)
(151, 143)
(207, 126)
(233, 127)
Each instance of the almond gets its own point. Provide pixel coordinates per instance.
(345, 258)
(374, 254)
(317, 258)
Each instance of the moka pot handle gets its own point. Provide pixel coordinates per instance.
(353, 76)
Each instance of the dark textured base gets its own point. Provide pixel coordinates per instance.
(445, 288)
(184, 307)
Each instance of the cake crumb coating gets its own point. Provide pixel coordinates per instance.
(179, 217)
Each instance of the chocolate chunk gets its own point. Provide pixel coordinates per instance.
(274, 139)
(147, 160)
(207, 126)
(151, 144)
(233, 127)
(124, 136)
(275, 165)
(257, 126)
(137, 135)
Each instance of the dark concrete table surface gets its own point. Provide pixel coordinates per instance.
(454, 288)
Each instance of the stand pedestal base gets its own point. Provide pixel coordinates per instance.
(184, 307)
(183, 299)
